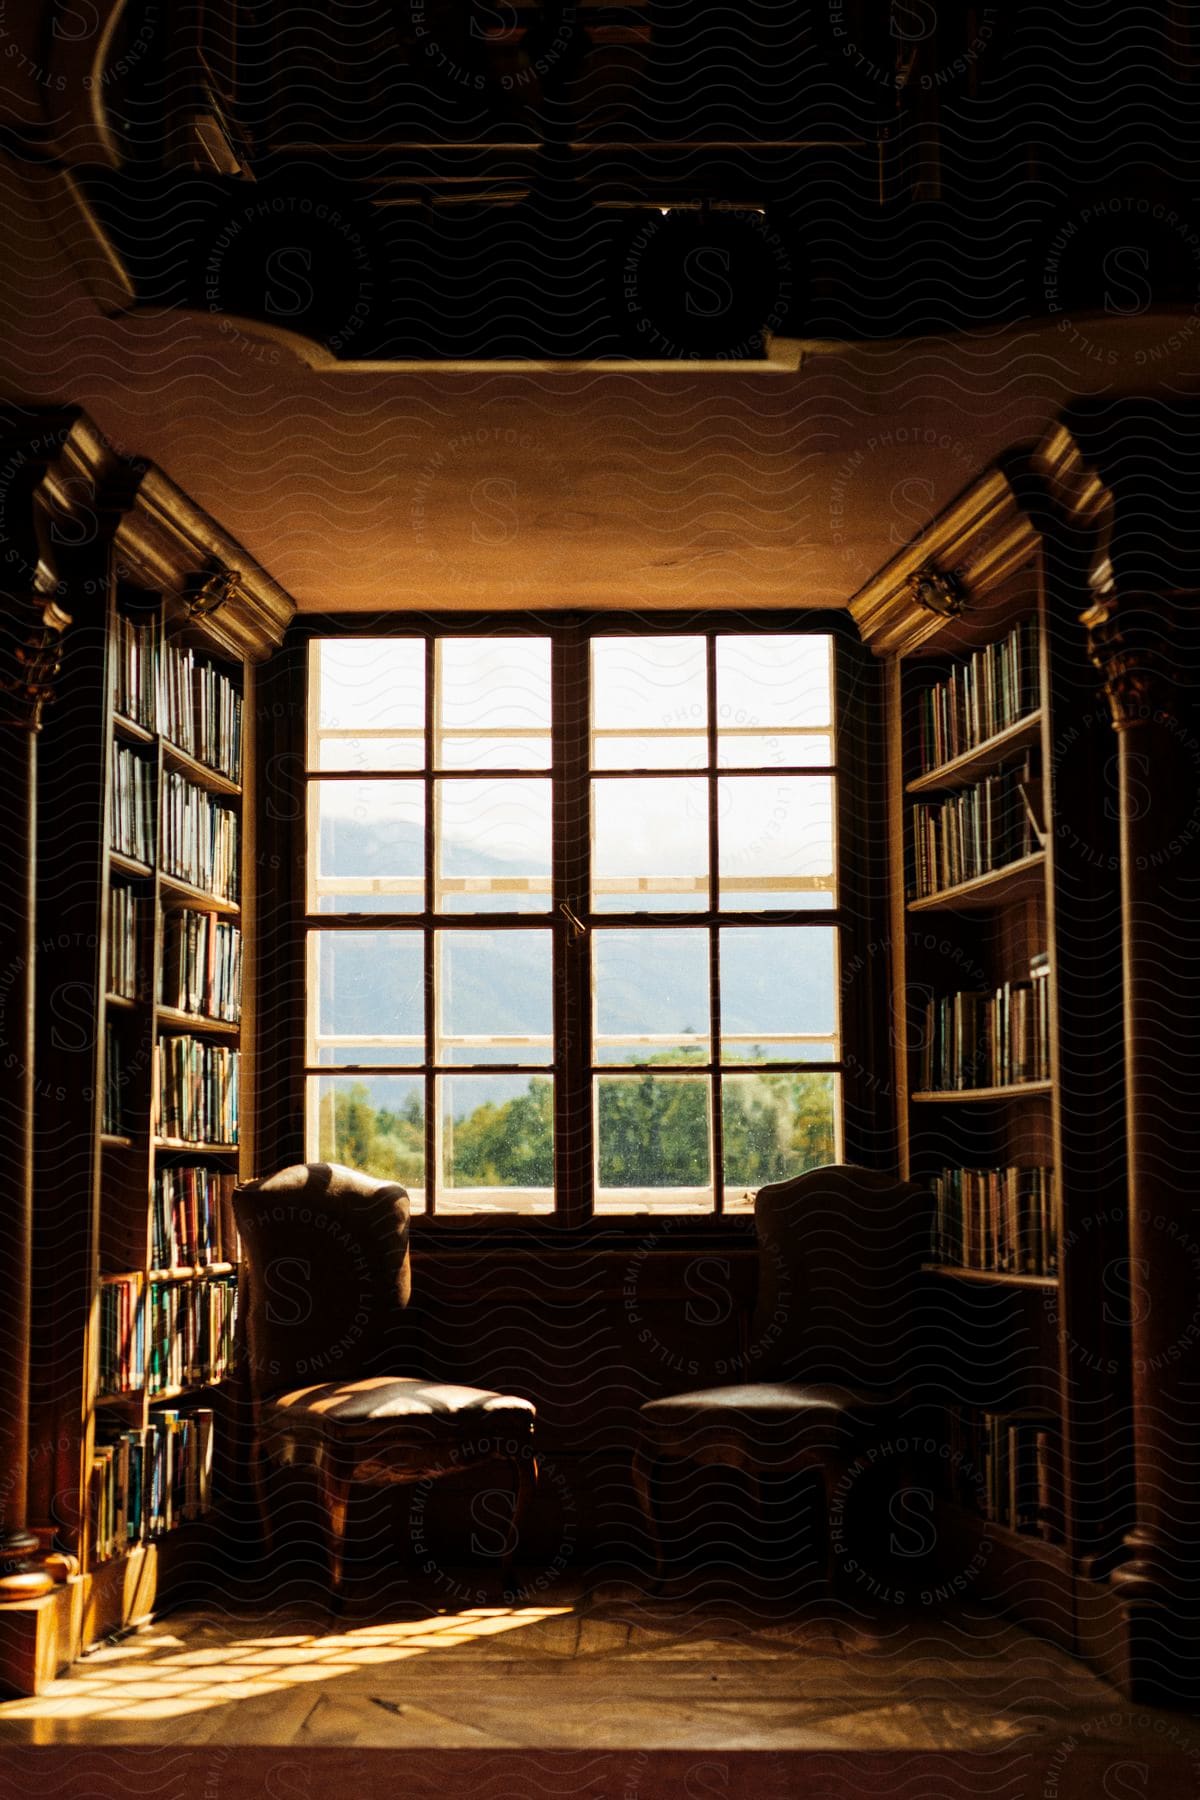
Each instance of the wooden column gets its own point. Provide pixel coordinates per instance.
(30, 627)
(1141, 644)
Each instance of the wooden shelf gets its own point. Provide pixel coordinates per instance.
(128, 865)
(1015, 881)
(188, 1273)
(1013, 1090)
(115, 1140)
(130, 729)
(980, 760)
(182, 1393)
(162, 1143)
(179, 893)
(199, 772)
(989, 1277)
(123, 1002)
(131, 1394)
(179, 1020)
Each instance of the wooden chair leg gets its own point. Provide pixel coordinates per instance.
(525, 1475)
(645, 1464)
(335, 1487)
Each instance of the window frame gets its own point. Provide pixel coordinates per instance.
(570, 636)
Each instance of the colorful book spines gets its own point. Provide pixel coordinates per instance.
(980, 698)
(164, 686)
(200, 839)
(192, 1222)
(131, 826)
(122, 1346)
(198, 1091)
(202, 965)
(190, 1332)
(999, 1221)
(151, 1480)
(979, 1040)
(980, 829)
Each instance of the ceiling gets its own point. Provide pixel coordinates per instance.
(380, 491)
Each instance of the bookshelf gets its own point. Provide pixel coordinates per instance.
(1001, 866)
(145, 881)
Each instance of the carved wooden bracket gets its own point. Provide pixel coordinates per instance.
(31, 628)
(207, 593)
(937, 592)
(1126, 642)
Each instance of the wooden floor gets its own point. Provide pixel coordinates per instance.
(602, 1693)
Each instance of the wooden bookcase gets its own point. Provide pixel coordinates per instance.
(103, 1145)
(1018, 1335)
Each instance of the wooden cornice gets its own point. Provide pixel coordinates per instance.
(166, 541)
(979, 539)
(161, 539)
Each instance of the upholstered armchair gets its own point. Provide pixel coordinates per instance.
(830, 1347)
(327, 1276)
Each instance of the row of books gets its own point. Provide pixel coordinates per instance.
(197, 1091)
(122, 1347)
(202, 965)
(190, 1332)
(112, 1110)
(151, 1480)
(123, 941)
(199, 838)
(192, 1224)
(982, 828)
(980, 697)
(166, 687)
(1000, 1220)
(972, 1040)
(183, 1336)
(1009, 1469)
(200, 710)
(135, 665)
(131, 829)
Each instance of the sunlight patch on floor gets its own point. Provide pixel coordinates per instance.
(163, 1680)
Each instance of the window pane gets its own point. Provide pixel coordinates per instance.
(497, 1143)
(650, 845)
(366, 846)
(649, 703)
(778, 999)
(651, 996)
(775, 1126)
(493, 703)
(653, 1143)
(366, 996)
(495, 992)
(375, 1123)
(369, 703)
(493, 846)
(771, 691)
(776, 842)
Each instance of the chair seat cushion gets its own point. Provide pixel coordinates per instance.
(400, 1399)
(765, 1402)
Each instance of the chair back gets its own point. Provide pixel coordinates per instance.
(326, 1275)
(840, 1250)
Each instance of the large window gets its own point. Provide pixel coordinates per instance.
(572, 915)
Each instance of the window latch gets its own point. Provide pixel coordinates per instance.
(578, 928)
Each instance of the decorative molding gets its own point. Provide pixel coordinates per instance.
(207, 592)
(1126, 643)
(30, 657)
(980, 539)
(938, 592)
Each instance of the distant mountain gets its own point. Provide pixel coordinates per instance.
(767, 981)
